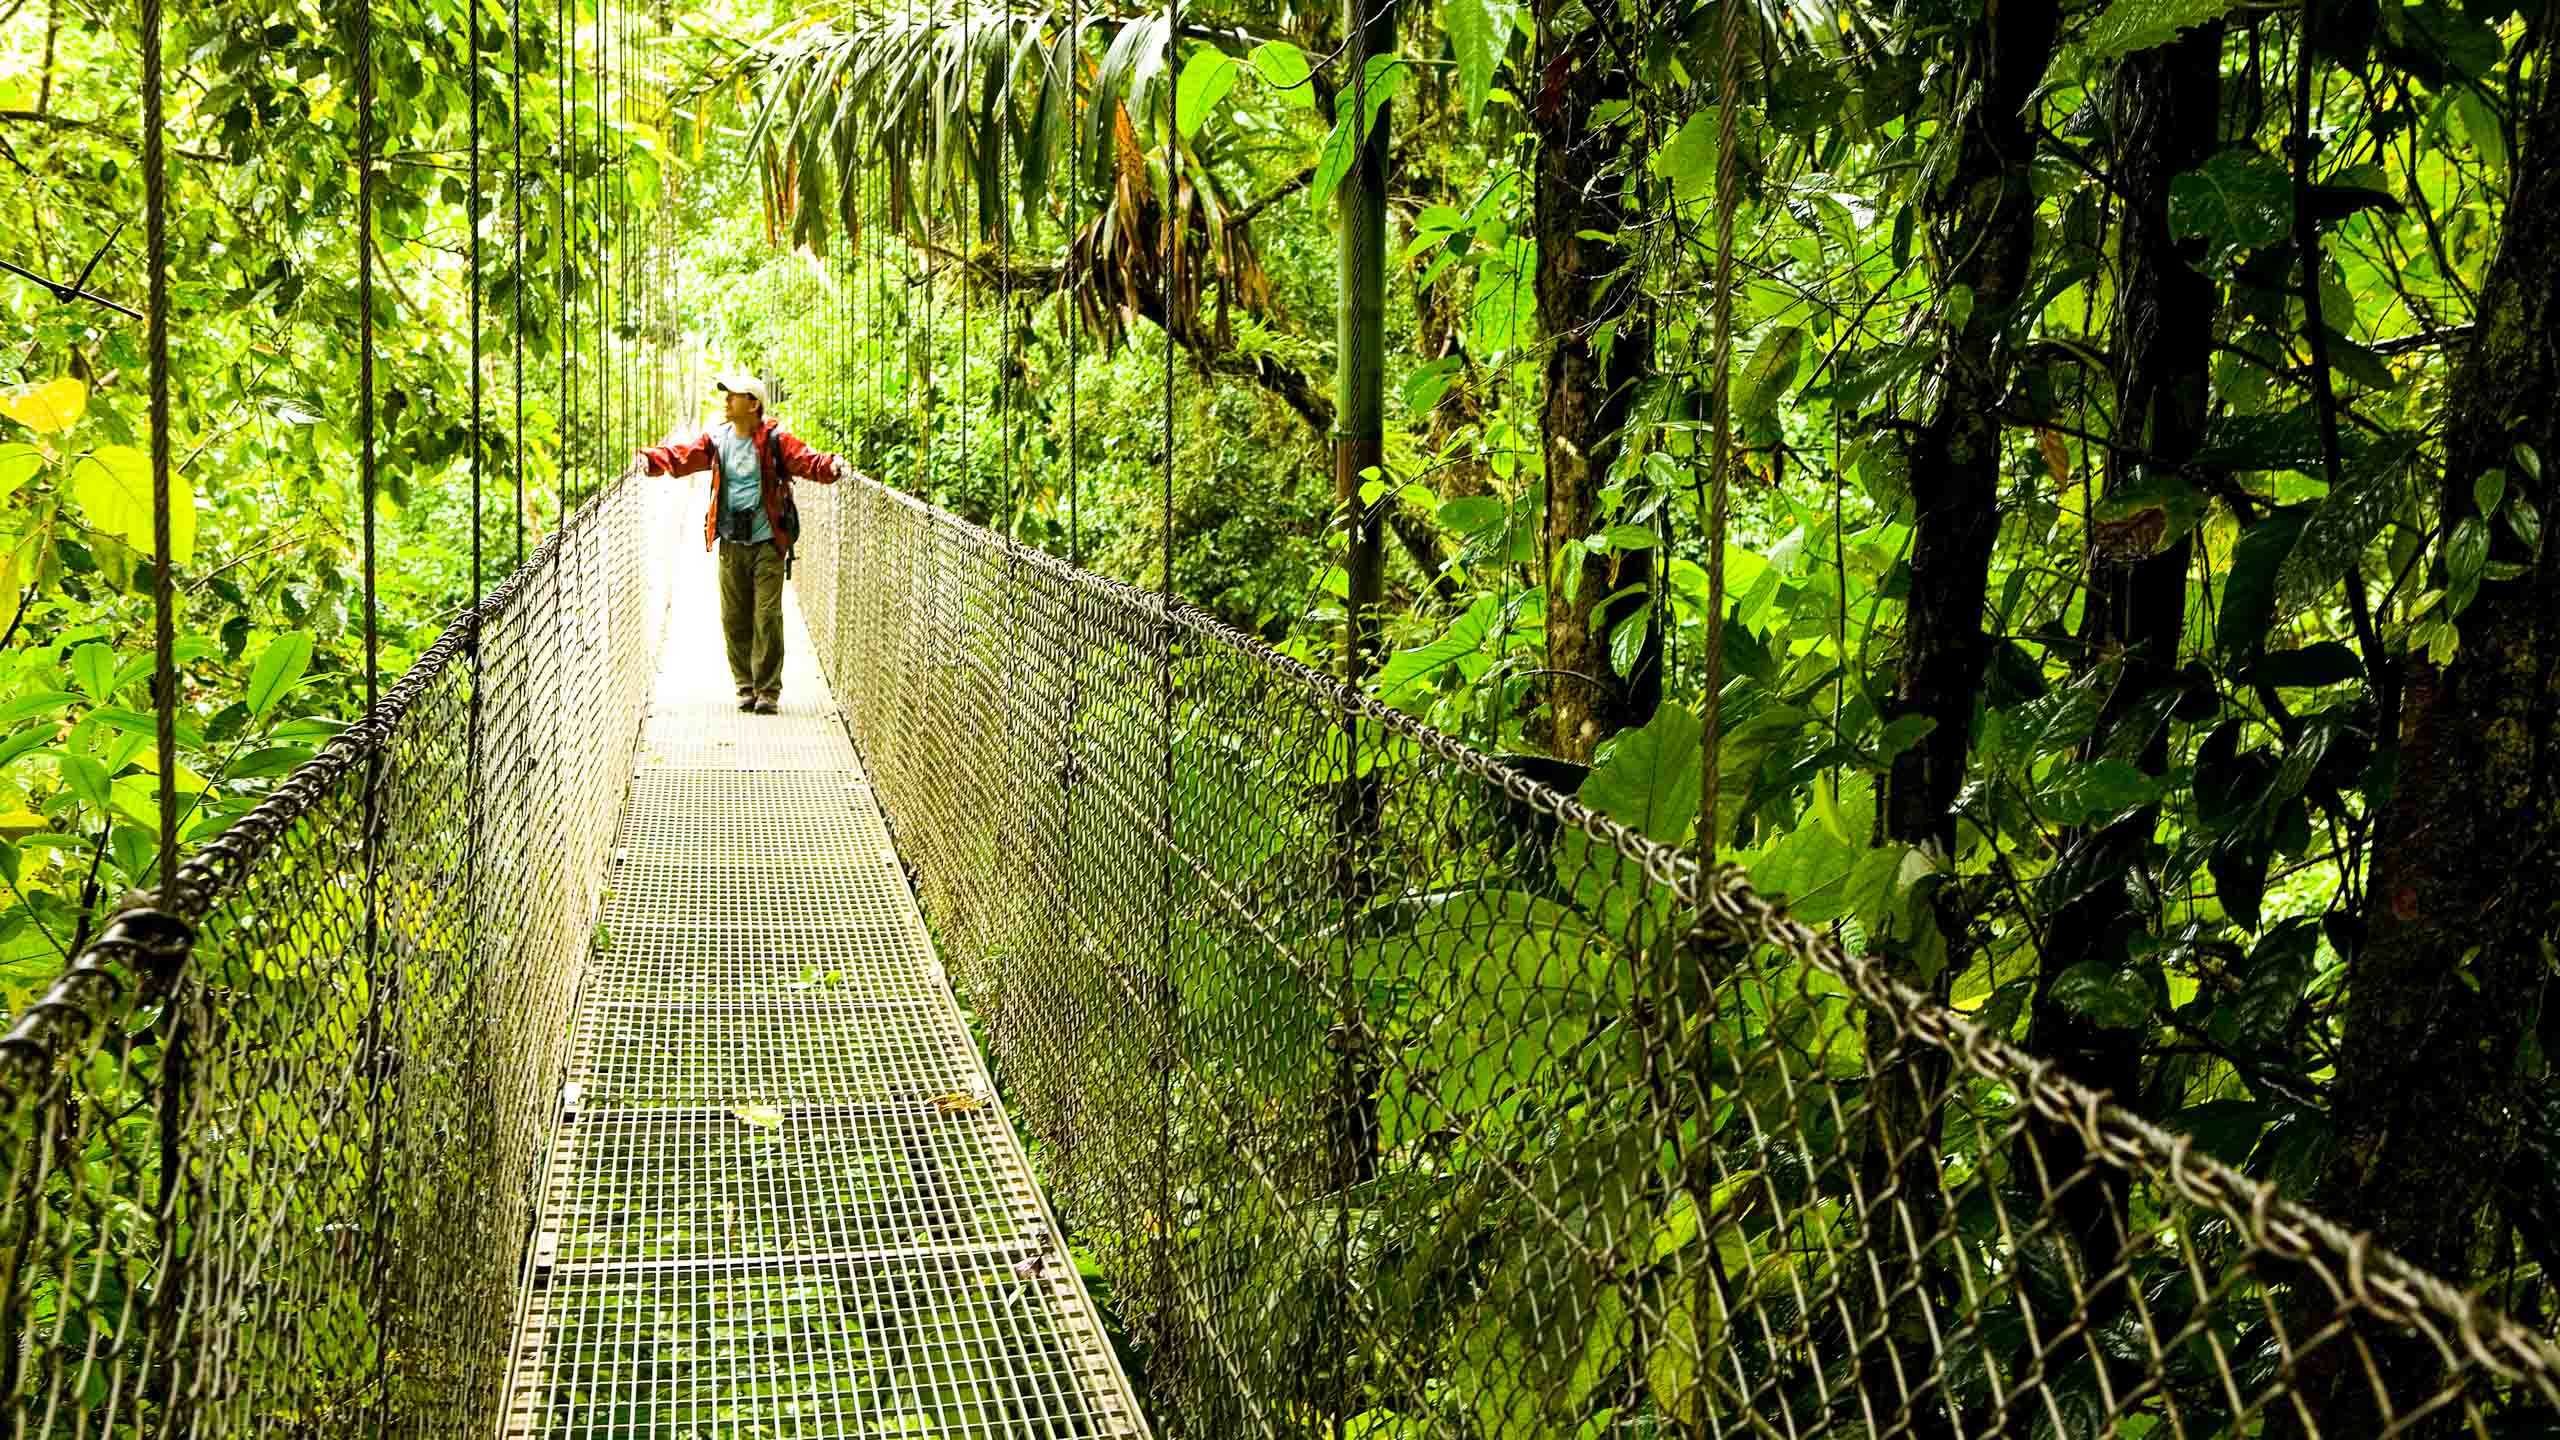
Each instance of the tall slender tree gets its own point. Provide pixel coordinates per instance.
(1600, 339)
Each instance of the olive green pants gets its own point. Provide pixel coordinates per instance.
(751, 614)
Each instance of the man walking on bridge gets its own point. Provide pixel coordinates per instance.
(753, 522)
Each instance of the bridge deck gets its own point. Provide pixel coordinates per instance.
(782, 1200)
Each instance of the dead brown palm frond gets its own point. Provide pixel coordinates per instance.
(940, 100)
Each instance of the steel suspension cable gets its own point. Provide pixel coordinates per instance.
(1068, 319)
(515, 184)
(369, 462)
(174, 1088)
(565, 327)
(1711, 707)
(164, 601)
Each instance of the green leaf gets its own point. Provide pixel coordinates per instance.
(1772, 369)
(2279, 970)
(2117, 999)
(1465, 636)
(1480, 35)
(1809, 866)
(1649, 780)
(2339, 528)
(88, 780)
(34, 703)
(1505, 296)
(2099, 790)
(763, 1117)
(269, 761)
(2240, 879)
(22, 742)
(1284, 68)
(280, 667)
(18, 465)
(1385, 74)
(1472, 514)
(2241, 199)
(2489, 491)
(1206, 79)
(2130, 25)
(1689, 161)
(1626, 641)
(2179, 504)
(113, 485)
(2249, 594)
(93, 669)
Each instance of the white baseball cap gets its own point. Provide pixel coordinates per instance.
(743, 384)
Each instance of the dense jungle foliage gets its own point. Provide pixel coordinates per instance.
(2139, 629)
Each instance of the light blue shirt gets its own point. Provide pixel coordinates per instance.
(741, 481)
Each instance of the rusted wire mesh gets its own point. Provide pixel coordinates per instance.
(269, 1149)
(1396, 1095)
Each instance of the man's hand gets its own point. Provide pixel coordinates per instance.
(844, 468)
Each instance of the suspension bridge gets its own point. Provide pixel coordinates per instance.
(565, 1053)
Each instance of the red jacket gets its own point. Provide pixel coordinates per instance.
(685, 457)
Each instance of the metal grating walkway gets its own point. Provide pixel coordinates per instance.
(782, 1200)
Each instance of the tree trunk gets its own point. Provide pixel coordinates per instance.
(1601, 347)
(1982, 225)
(2432, 1093)
(2167, 104)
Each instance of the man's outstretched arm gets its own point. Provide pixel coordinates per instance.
(685, 457)
(807, 464)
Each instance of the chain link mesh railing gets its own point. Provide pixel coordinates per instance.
(1397, 1095)
(272, 1144)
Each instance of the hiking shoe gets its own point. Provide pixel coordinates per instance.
(768, 705)
(746, 703)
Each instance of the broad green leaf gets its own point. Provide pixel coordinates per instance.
(270, 761)
(88, 780)
(93, 669)
(2337, 531)
(22, 742)
(2489, 491)
(2099, 790)
(280, 666)
(2178, 504)
(45, 408)
(1284, 68)
(2249, 595)
(2241, 199)
(1384, 75)
(113, 484)
(1466, 636)
(1649, 781)
(34, 703)
(2130, 25)
(1772, 368)
(2117, 999)
(1206, 78)
(18, 465)
(1689, 161)
(1809, 866)
(1480, 35)
(2279, 969)
(1505, 298)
